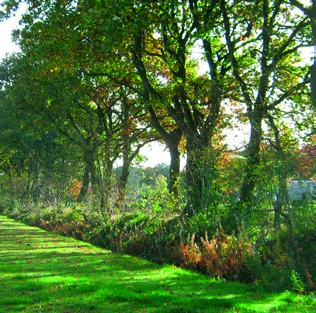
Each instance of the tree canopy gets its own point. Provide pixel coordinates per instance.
(98, 80)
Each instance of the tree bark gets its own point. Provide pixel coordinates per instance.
(174, 168)
(84, 184)
(35, 185)
(253, 161)
(122, 184)
(89, 175)
(313, 70)
(172, 141)
(194, 175)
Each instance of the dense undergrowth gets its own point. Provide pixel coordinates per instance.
(189, 243)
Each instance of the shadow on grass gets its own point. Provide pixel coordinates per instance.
(44, 272)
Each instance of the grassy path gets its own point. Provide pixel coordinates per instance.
(44, 272)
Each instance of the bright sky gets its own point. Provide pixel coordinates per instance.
(6, 46)
(6, 28)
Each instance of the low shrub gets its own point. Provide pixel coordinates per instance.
(223, 256)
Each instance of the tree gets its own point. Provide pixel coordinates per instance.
(251, 52)
(310, 12)
(172, 95)
(159, 47)
(31, 152)
(263, 55)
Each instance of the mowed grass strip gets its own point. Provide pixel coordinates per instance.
(45, 272)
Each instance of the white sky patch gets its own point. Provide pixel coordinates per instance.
(198, 55)
(307, 54)
(6, 44)
(6, 28)
(155, 153)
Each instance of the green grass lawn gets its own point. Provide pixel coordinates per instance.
(44, 272)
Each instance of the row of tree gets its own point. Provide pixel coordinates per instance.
(97, 80)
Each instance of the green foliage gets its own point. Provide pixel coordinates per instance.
(76, 99)
(156, 200)
(297, 283)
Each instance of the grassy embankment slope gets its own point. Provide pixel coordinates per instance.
(44, 272)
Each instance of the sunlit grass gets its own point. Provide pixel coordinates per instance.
(44, 272)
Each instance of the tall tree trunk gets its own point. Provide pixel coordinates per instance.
(174, 168)
(172, 141)
(84, 184)
(122, 183)
(253, 161)
(281, 194)
(105, 195)
(35, 186)
(194, 175)
(88, 176)
(313, 71)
